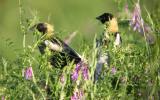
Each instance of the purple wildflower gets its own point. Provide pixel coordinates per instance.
(77, 95)
(78, 67)
(74, 76)
(138, 24)
(113, 70)
(29, 73)
(81, 94)
(136, 21)
(75, 73)
(85, 72)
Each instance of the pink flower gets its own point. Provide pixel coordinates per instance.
(29, 73)
(138, 24)
(3, 98)
(85, 72)
(75, 73)
(113, 70)
(77, 95)
(80, 67)
(136, 21)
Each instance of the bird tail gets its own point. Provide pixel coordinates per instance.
(69, 38)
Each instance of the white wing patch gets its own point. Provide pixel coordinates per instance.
(117, 41)
(53, 46)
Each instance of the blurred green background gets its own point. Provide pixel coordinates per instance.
(66, 15)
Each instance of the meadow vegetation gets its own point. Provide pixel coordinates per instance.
(134, 71)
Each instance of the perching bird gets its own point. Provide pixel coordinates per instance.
(61, 53)
(103, 43)
(110, 28)
(109, 21)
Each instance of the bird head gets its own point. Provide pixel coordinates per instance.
(110, 22)
(44, 28)
(105, 17)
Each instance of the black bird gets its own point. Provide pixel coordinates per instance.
(109, 21)
(103, 43)
(61, 53)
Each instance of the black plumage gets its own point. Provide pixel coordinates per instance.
(61, 53)
(60, 59)
(105, 17)
(104, 43)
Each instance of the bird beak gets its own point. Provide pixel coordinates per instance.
(98, 18)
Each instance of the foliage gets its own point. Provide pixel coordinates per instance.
(134, 72)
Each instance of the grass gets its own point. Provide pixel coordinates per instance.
(137, 75)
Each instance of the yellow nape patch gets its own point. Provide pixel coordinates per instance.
(112, 25)
(50, 28)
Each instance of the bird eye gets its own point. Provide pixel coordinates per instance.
(41, 27)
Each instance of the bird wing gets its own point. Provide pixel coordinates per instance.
(62, 47)
(53, 46)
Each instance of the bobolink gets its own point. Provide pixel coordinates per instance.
(110, 29)
(61, 53)
(110, 21)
